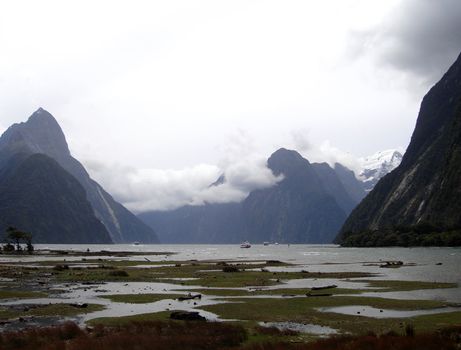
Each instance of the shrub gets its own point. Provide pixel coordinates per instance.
(230, 268)
(61, 267)
(118, 273)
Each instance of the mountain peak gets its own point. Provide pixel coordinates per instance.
(41, 133)
(284, 161)
(376, 166)
(41, 113)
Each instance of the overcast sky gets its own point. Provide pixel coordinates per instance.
(157, 98)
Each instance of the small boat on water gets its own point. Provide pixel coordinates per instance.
(266, 243)
(245, 244)
(136, 243)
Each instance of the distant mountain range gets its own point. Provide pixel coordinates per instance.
(45, 191)
(419, 203)
(308, 206)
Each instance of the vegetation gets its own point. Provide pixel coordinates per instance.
(306, 310)
(48, 310)
(244, 294)
(19, 294)
(405, 236)
(15, 238)
(139, 298)
(163, 335)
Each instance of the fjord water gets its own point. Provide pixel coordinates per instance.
(432, 264)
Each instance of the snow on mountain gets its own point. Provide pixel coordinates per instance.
(376, 166)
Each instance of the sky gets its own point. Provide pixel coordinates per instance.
(159, 98)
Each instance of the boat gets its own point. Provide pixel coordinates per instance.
(245, 244)
(136, 243)
(266, 243)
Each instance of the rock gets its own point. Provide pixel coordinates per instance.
(187, 316)
(80, 305)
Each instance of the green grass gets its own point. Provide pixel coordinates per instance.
(139, 298)
(276, 292)
(20, 294)
(252, 278)
(303, 310)
(398, 286)
(61, 310)
(119, 321)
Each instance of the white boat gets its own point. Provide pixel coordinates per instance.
(245, 244)
(136, 243)
(266, 243)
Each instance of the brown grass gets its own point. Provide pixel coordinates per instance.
(136, 336)
(207, 336)
(448, 339)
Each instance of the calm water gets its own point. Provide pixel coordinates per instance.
(313, 257)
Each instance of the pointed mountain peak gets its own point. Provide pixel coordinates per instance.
(43, 116)
(41, 133)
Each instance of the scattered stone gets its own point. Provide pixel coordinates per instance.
(187, 316)
(80, 305)
(392, 264)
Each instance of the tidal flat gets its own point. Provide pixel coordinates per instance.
(300, 295)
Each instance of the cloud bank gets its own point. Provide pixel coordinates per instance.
(142, 190)
(419, 38)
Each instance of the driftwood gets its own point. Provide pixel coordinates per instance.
(309, 294)
(190, 297)
(392, 264)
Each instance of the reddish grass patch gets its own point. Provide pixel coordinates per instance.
(134, 336)
(161, 335)
(447, 339)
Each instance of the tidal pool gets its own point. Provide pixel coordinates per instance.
(368, 311)
(301, 327)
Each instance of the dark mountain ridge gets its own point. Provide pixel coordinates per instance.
(308, 205)
(425, 190)
(42, 134)
(37, 195)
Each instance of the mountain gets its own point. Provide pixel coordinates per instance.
(334, 186)
(42, 134)
(352, 185)
(37, 195)
(378, 165)
(308, 205)
(209, 223)
(298, 209)
(422, 196)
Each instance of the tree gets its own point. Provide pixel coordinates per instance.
(17, 236)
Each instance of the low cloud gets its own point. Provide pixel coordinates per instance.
(325, 152)
(142, 190)
(420, 38)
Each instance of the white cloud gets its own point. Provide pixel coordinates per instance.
(165, 189)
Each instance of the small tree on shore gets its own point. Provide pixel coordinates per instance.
(17, 237)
